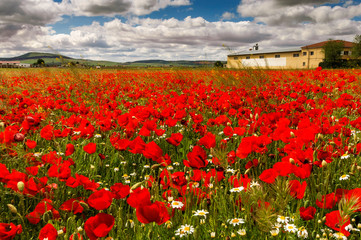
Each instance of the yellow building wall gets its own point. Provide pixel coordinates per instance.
(310, 60)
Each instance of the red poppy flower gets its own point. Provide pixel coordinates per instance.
(90, 148)
(101, 199)
(153, 151)
(297, 190)
(337, 223)
(119, 190)
(48, 232)
(328, 201)
(155, 212)
(175, 139)
(30, 143)
(9, 230)
(269, 175)
(208, 141)
(197, 158)
(307, 213)
(47, 132)
(69, 149)
(99, 226)
(73, 205)
(139, 197)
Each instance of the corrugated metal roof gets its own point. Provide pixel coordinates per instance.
(263, 51)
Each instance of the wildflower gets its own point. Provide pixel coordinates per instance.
(129, 223)
(176, 163)
(170, 168)
(344, 177)
(302, 232)
(290, 228)
(37, 154)
(168, 224)
(345, 156)
(238, 189)
(146, 166)
(230, 170)
(242, 232)
(125, 176)
(133, 174)
(254, 184)
(97, 135)
(184, 230)
(339, 235)
(282, 219)
(202, 213)
(177, 204)
(116, 169)
(213, 234)
(236, 221)
(274, 232)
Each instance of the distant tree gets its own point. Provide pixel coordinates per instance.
(332, 50)
(40, 62)
(218, 64)
(356, 49)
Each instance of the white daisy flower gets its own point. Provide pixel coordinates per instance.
(97, 135)
(242, 232)
(290, 228)
(339, 235)
(116, 169)
(236, 221)
(302, 232)
(344, 177)
(345, 156)
(238, 189)
(184, 230)
(177, 204)
(274, 232)
(254, 184)
(282, 219)
(230, 170)
(202, 213)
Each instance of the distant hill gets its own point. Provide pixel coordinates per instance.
(52, 59)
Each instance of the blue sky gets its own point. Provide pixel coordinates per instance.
(128, 30)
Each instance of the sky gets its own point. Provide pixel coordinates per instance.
(131, 30)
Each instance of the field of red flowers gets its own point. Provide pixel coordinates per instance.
(167, 154)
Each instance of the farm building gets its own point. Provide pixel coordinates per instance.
(13, 64)
(304, 57)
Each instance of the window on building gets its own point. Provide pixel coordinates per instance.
(311, 53)
(345, 53)
(261, 56)
(304, 64)
(277, 56)
(296, 55)
(248, 57)
(304, 53)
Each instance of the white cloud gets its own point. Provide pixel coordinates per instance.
(121, 7)
(227, 16)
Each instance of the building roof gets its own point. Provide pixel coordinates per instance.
(264, 51)
(321, 44)
(8, 62)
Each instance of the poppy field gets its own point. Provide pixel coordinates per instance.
(180, 154)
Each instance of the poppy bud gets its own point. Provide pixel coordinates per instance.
(12, 208)
(2, 124)
(84, 205)
(18, 137)
(292, 160)
(21, 186)
(324, 163)
(47, 216)
(135, 186)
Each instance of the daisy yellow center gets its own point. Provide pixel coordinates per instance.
(290, 227)
(186, 229)
(343, 176)
(201, 213)
(235, 220)
(175, 203)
